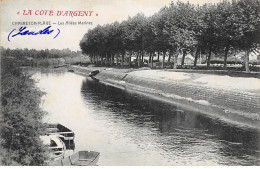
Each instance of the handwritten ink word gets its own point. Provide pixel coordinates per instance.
(23, 31)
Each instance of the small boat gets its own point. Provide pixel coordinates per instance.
(59, 66)
(93, 73)
(57, 128)
(64, 133)
(81, 158)
(56, 146)
(70, 70)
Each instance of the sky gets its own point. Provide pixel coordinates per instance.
(68, 36)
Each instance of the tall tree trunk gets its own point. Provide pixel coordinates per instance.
(130, 57)
(208, 59)
(184, 52)
(101, 59)
(158, 56)
(106, 59)
(138, 58)
(122, 58)
(129, 63)
(117, 59)
(152, 59)
(164, 53)
(246, 61)
(150, 56)
(175, 59)
(196, 56)
(225, 57)
(170, 55)
(112, 59)
(91, 59)
(142, 56)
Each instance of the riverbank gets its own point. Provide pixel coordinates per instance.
(231, 99)
(21, 117)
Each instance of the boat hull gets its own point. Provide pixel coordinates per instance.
(81, 158)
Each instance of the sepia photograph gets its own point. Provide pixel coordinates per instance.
(130, 83)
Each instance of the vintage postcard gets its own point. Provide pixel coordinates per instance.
(130, 82)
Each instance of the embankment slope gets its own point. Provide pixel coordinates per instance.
(232, 99)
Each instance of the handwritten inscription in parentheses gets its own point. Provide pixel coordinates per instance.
(24, 31)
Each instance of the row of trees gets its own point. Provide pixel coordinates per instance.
(38, 54)
(180, 28)
(44, 58)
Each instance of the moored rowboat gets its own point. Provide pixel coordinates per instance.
(81, 158)
(64, 133)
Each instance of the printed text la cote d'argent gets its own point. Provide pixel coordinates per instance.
(57, 13)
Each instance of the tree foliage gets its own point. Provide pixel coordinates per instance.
(181, 28)
(38, 54)
(21, 117)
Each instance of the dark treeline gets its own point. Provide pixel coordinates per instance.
(180, 28)
(44, 58)
(38, 54)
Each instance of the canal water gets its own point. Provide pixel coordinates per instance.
(128, 129)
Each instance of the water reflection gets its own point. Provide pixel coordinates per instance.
(177, 131)
(133, 130)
